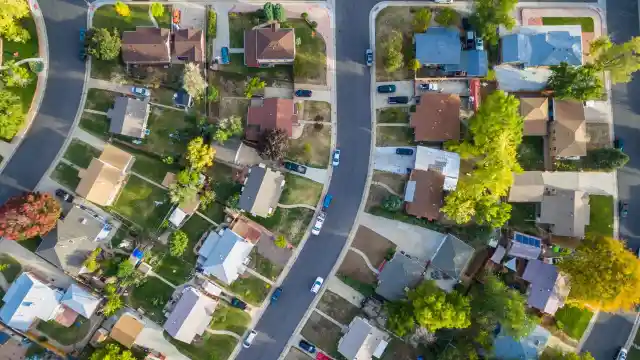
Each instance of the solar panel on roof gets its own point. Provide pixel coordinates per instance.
(527, 239)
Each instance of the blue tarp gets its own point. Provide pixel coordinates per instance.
(137, 253)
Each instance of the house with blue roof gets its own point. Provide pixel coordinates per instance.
(533, 46)
(439, 46)
(29, 299)
(526, 348)
(223, 255)
(80, 300)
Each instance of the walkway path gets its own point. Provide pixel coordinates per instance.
(394, 124)
(334, 284)
(223, 332)
(23, 61)
(293, 206)
(151, 273)
(315, 174)
(366, 260)
(386, 187)
(260, 276)
(91, 111)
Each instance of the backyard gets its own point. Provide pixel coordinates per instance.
(151, 296)
(229, 318)
(251, 289)
(313, 147)
(209, 347)
(66, 335)
(310, 66)
(13, 267)
(169, 130)
(80, 153)
(601, 215)
(573, 321)
(300, 190)
(66, 175)
(142, 203)
(531, 153)
(292, 223)
(148, 165)
(394, 136)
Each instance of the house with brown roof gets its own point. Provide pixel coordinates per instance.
(271, 113)
(566, 212)
(568, 131)
(535, 113)
(146, 46)
(424, 194)
(101, 182)
(437, 117)
(126, 330)
(188, 45)
(129, 117)
(269, 46)
(249, 229)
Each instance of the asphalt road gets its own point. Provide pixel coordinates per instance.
(611, 331)
(51, 126)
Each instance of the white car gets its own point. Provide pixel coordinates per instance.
(335, 161)
(316, 285)
(622, 354)
(315, 230)
(429, 86)
(140, 91)
(443, 1)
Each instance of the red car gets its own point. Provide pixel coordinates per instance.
(321, 356)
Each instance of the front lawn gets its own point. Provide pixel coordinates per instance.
(238, 24)
(292, 223)
(142, 203)
(229, 318)
(310, 66)
(152, 297)
(313, 147)
(95, 124)
(300, 190)
(393, 115)
(573, 321)
(211, 347)
(100, 100)
(14, 268)
(531, 153)
(66, 335)
(81, 153)
(585, 22)
(264, 266)
(251, 289)
(394, 136)
(106, 17)
(601, 215)
(236, 66)
(66, 175)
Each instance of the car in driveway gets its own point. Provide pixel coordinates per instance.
(140, 91)
(276, 294)
(295, 167)
(317, 226)
(429, 87)
(369, 57)
(398, 100)
(237, 303)
(317, 285)
(307, 346)
(335, 160)
(623, 209)
(404, 151)
(386, 89)
(64, 195)
(303, 93)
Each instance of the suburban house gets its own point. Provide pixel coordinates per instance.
(249, 229)
(441, 48)
(526, 348)
(146, 46)
(445, 162)
(269, 46)
(80, 301)
(271, 113)
(76, 236)
(436, 117)
(363, 341)
(188, 45)
(128, 117)
(403, 272)
(101, 182)
(126, 330)
(261, 191)
(566, 212)
(525, 246)
(535, 112)
(223, 255)
(548, 289)
(424, 194)
(183, 211)
(28, 299)
(190, 316)
(449, 262)
(568, 130)
(533, 46)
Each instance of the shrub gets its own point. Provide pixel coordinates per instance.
(211, 27)
(281, 242)
(392, 203)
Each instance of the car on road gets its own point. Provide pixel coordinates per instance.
(622, 354)
(335, 161)
(276, 294)
(429, 87)
(83, 35)
(307, 346)
(326, 202)
(303, 93)
(237, 303)
(386, 89)
(294, 167)
(140, 91)
(317, 226)
(64, 195)
(404, 151)
(623, 208)
(224, 55)
(369, 57)
(443, 1)
(249, 339)
(317, 285)
(82, 54)
(398, 100)
(618, 144)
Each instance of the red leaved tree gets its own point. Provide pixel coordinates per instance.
(28, 215)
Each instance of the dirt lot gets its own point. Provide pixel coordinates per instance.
(322, 332)
(396, 182)
(316, 111)
(230, 84)
(598, 136)
(233, 106)
(337, 307)
(377, 194)
(354, 267)
(394, 136)
(317, 152)
(296, 354)
(372, 244)
(398, 18)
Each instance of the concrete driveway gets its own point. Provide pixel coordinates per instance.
(403, 88)
(386, 159)
(413, 240)
(460, 87)
(191, 15)
(316, 95)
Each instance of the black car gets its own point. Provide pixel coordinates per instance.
(303, 93)
(404, 151)
(309, 347)
(398, 100)
(623, 208)
(65, 196)
(82, 54)
(237, 303)
(295, 167)
(386, 89)
(618, 144)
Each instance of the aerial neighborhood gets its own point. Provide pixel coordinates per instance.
(299, 180)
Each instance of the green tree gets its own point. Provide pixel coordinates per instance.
(227, 128)
(91, 262)
(620, 60)
(252, 85)
(579, 83)
(279, 13)
(16, 75)
(459, 349)
(11, 12)
(28, 215)
(212, 24)
(192, 80)
(178, 243)
(392, 203)
(268, 11)
(281, 242)
(414, 65)
(125, 269)
(233, 201)
(182, 193)
(400, 320)
(435, 309)
(199, 155)
(488, 15)
(551, 353)
(104, 45)
(447, 17)
(111, 352)
(11, 116)
(122, 9)
(157, 9)
(4, 266)
(214, 94)
(114, 301)
(422, 20)
(207, 197)
(393, 58)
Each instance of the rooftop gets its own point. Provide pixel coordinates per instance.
(542, 46)
(566, 211)
(362, 341)
(223, 255)
(438, 45)
(452, 256)
(535, 111)
(424, 194)
(271, 114)
(126, 330)
(568, 133)
(146, 45)
(101, 182)
(129, 117)
(445, 162)
(548, 288)
(437, 117)
(191, 315)
(269, 45)
(400, 273)
(262, 190)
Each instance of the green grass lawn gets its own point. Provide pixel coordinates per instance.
(14, 269)
(300, 190)
(96, 125)
(107, 69)
(292, 223)
(164, 21)
(148, 165)
(311, 56)
(81, 153)
(238, 23)
(573, 321)
(394, 136)
(313, 148)
(66, 335)
(236, 66)
(106, 17)
(523, 218)
(531, 153)
(213, 347)
(100, 100)
(152, 297)
(137, 203)
(169, 132)
(634, 354)
(229, 318)
(585, 22)
(601, 220)
(361, 287)
(251, 289)
(66, 175)
(394, 115)
(263, 266)
(221, 178)
(31, 244)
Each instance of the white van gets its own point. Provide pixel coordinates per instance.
(249, 339)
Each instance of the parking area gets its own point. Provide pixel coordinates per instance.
(403, 88)
(386, 159)
(460, 87)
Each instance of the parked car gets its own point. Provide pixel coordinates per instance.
(404, 151)
(429, 87)
(140, 91)
(443, 1)
(83, 35)
(386, 89)
(622, 354)
(307, 346)
(618, 144)
(64, 195)
(224, 55)
(327, 201)
(303, 93)
(623, 208)
(398, 100)
(295, 167)
(369, 57)
(479, 43)
(249, 339)
(276, 294)
(321, 356)
(237, 303)
(315, 230)
(82, 54)
(335, 161)
(316, 285)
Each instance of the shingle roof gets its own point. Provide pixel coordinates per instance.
(101, 182)
(473, 62)
(452, 256)
(269, 45)
(188, 45)
(126, 330)
(362, 341)
(438, 45)
(129, 117)
(535, 111)
(80, 300)
(28, 299)
(190, 316)
(223, 255)
(425, 194)
(542, 49)
(437, 117)
(568, 132)
(262, 190)
(146, 45)
(273, 113)
(567, 211)
(445, 162)
(549, 289)
(527, 187)
(399, 273)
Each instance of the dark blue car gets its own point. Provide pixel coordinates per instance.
(276, 294)
(224, 55)
(307, 346)
(303, 93)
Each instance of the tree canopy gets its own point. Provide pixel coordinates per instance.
(112, 352)
(447, 17)
(268, 12)
(28, 215)
(488, 15)
(393, 57)
(122, 9)
(192, 80)
(621, 60)
(495, 132)
(199, 155)
(104, 44)
(551, 353)
(11, 11)
(16, 75)
(157, 9)
(421, 20)
(227, 128)
(178, 243)
(579, 83)
(603, 274)
(11, 116)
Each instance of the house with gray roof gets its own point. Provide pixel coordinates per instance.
(452, 257)
(80, 300)
(565, 212)
(190, 316)
(533, 46)
(548, 289)
(129, 117)
(76, 236)
(401, 273)
(29, 299)
(223, 255)
(261, 191)
(362, 341)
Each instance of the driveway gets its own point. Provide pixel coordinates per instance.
(191, 15)
(459, 87)
(413, 240)
(386, 159)
(596, 183)
(403, 88)
(32, 262)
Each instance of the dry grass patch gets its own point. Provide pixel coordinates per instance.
(233, 106)
(354, 267)
(316, 111)
(313, 147)
(599, 136)
(337, 307)
(394, 18)
(322, 332)
(396, 182)
(372, 244)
